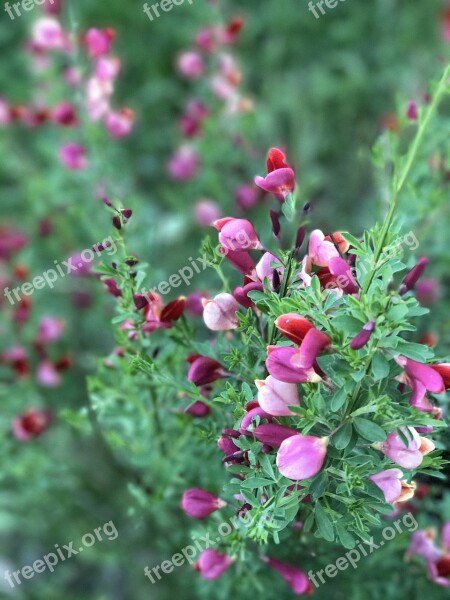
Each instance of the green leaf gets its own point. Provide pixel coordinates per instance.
(380, 367)
(324, 523)
(338, 400)
(369, 430)
(256, 482)
(345, 537)
(341, 438)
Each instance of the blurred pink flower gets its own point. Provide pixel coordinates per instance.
(190, 64)
(73, 156)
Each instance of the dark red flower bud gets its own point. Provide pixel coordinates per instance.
(173, 311)
(300, 237)
(126, 212)
(273, 434)
(413, 276)
(204, 370)
(111, 284)
(140, 301)
(363, 336)
(117, 222)
(241, 293)
(276, 227)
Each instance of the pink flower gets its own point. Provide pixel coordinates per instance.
(275, 396)
(64, 114)
(280, 178)
(237, 234)
(439, 570)
(422, 544)
(264, 268)
(99, 41)
(107, 68)
(205, 39)
(204, 370)
(240, 259)
(199, 504)
(190, 64)
(31, 423)
(421, 378)
(281, 364)
(47, 375)
(212, 564)
(50, 330)
(389, 483)
(301, 456)
(73, 156)
(47, 34)
(206, 212)
(219, 314)
(119, 124)
(246, 196)
(296, 579)
(408, 457)
(321, 251)
(183, 165)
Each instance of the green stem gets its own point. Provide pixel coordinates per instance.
(400, 182)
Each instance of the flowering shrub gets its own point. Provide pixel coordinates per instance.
(274, 407)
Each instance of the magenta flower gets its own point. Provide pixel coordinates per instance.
(237, 234)
(280, 178)
(64, 114)
(98, 41)
(190, 64)
(361, 339)
(421, 379)
(439, 571)
(204, 370)
(119, 124)
(411, 111)
(281, 364)
(301, 456)
(247, 419)
(296, 579)
(275, 396)
(340, 269)
(408, 457)
(389, 482)
(321, 251)
(241, 293)
(444, 371)
(241, 260)
(199, 504)
(219, 314)
(310, 348)
(73, 156)
(273, 434)
(212, 564)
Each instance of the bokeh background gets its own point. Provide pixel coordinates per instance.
(324, 90)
